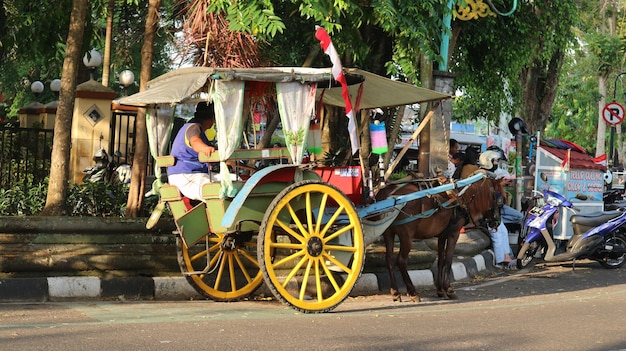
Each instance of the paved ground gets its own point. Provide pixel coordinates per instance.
(176, 287)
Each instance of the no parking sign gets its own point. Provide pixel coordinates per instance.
(613, 113)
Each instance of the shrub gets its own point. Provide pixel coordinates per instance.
(16, 201)
(98, 199)
(89, 199)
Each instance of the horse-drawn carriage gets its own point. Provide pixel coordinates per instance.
(301, 228)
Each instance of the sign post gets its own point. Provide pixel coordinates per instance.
(613, 114)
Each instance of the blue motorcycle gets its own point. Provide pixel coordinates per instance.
(600, 236)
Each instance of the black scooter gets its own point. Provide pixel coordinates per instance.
(105, 170)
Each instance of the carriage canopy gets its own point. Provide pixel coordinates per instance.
(297, 90)
(180, 85)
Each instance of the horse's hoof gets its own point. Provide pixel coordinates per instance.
(415, 298)
(447, 295)
(396, 296)
(443, 294)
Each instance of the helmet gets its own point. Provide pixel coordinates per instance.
(101, 158)
(498, 149)
(486, 160)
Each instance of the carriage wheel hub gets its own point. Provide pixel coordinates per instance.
(314, 246)
(229, 243)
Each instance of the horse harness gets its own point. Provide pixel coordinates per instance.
(452, 203)
(498, 204)
(424, 184)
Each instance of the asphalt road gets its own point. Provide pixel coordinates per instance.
(549, 307)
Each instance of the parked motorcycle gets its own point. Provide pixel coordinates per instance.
(599, 236)
(613, 199)
(105, 170)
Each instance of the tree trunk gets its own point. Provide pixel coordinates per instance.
(540, 83)
(106, 65)
(425, 147)
(270, 127)
(59, 167)
(601, 135)
(140, 159)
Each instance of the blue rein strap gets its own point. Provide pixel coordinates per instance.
(451, 203)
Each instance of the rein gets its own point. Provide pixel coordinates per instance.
(451, 203)
(455, 201)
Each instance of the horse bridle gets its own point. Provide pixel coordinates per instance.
(498, 201)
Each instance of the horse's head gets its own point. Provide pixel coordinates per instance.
(484, 200)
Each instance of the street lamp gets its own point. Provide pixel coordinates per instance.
(55, 86)
(92, 60)
(127, 78)
(37, 88)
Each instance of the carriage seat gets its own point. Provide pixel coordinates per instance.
(179, 204)
(191, 221)
(237, 160)
(209, 190)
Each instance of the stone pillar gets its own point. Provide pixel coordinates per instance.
(50, 110)
(91, 126)
(440, 123)
(32, 115)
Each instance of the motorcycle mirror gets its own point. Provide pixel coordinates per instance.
(581, 196)
(544, 177)
(608, 177)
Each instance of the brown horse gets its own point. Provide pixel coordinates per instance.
(442, 216)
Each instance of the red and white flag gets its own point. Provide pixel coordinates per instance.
(329, 49)
(566, 159)
(600, 160)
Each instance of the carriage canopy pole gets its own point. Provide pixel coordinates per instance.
(417, 132)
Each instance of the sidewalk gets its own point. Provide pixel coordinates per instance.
(176, 288)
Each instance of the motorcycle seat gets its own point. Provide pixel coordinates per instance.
(594, 219)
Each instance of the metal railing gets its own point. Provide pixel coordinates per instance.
(25, 155)
(122, 142)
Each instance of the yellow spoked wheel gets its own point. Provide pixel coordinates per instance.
(311, 246)
(230, 270)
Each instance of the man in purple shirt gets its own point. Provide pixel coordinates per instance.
(188, 173)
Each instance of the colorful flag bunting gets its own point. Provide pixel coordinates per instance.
(566, 160)
(600, 160)
(329, 49)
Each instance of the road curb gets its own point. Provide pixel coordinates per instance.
(176, 287)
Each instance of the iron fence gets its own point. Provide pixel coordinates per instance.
(25, 155)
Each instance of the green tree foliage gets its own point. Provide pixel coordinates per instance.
(32, 39)
(128, 28)
(593, 62)
(574, 116)
(495, 55)
(363, 32)
(499, 61)
(32, 44)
